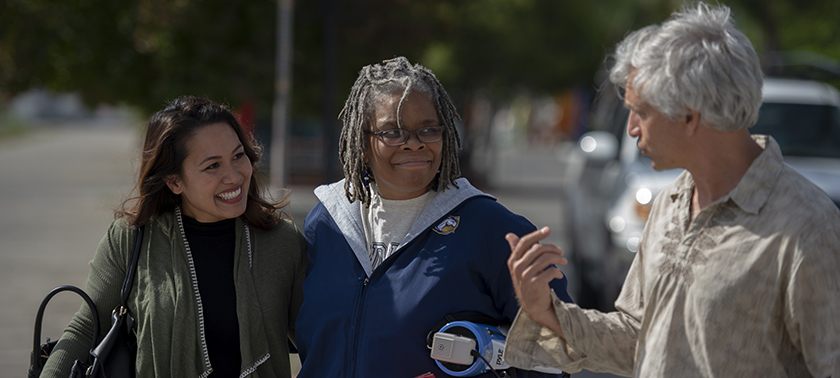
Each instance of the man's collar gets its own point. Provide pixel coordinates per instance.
(755, 187)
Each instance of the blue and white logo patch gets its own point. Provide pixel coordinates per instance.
(448, 225)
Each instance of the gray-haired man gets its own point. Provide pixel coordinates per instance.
(738, 270)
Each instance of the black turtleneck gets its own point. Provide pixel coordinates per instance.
(213, 246)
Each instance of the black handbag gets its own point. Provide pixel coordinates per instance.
(39, 355)
(115, 355)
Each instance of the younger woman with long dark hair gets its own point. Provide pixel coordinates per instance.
(218, 282)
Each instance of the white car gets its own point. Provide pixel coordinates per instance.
(609, 207)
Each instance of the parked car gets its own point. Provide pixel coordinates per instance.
(616, 185)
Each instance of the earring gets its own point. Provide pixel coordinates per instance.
(366, 179)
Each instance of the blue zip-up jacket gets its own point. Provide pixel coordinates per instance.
(358, 322)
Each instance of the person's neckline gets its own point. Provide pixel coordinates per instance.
(408, 201)
(193, 225)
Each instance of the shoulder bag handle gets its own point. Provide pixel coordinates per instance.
(132, 269)
(39, 355)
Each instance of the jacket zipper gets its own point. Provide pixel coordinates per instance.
(357, 327)
(353, 366)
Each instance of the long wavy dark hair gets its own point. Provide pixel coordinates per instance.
(164, 151)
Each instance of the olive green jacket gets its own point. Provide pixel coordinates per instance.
(166, 304)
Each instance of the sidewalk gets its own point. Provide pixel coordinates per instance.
(58, 191)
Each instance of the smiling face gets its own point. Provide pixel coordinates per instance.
(405, 171)
(660, 138)
(215, 176)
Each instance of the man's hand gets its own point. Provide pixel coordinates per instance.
(532, 266)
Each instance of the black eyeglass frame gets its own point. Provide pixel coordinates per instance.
(405, 134)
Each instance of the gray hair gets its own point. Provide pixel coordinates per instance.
(375, 83)
(697, 60)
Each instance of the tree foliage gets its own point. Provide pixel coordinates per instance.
(139, 52)
(145, 52)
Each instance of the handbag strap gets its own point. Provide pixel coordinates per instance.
(36, 363)
(36, 359)
(132, 269)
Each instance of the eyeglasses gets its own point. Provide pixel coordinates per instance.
(398, 137)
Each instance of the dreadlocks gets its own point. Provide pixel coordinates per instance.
(375, 83)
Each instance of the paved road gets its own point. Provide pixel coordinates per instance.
(57, 192)
(58, 189)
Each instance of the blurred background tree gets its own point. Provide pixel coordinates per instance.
(139, 52)
(142, 53)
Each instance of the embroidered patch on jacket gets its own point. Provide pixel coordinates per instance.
(448, 225)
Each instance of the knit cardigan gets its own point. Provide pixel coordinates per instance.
(166, 303)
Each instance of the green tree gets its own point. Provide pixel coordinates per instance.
(145, 52)
(140, 52)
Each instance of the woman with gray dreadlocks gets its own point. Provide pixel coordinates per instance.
(401, 243)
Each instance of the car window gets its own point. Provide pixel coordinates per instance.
(801, 129)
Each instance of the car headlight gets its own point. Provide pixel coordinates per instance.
(643, 203)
